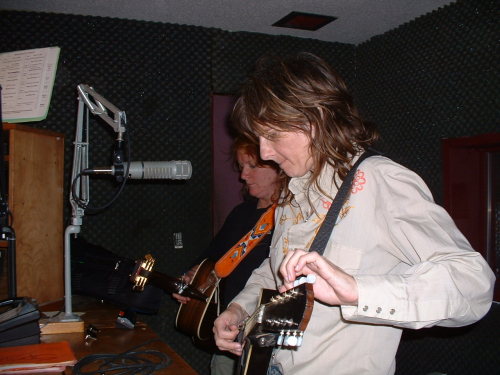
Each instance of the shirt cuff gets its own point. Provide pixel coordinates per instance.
(379, 298)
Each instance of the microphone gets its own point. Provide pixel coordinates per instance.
(142, 170)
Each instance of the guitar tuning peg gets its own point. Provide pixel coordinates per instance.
(287, 322)
(277, 298)
(280, 338)
(311, 279)
(299, 340)
(300, 281)
(305, 279)
(291, 340)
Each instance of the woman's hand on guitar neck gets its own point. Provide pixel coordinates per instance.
(332, 286)
(180, 298)
(226, 328)
(186, 278)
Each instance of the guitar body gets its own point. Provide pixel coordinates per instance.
(279, 321)
(196, 318)
(255, 360)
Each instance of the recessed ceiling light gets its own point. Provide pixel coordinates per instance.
(304, 21)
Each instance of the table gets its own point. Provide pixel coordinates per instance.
(111, 339)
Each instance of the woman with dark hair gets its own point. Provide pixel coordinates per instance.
(262, 180)
(394, 260)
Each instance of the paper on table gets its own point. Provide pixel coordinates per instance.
(44, 370)
(27, 78)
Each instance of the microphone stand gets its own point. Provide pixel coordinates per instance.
(88, 101)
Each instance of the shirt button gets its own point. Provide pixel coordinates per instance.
(379, 309)
(365, 308)
(392, 311)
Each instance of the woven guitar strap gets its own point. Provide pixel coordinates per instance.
(326, 228)
(238, 252)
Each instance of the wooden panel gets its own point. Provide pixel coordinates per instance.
(36, 163)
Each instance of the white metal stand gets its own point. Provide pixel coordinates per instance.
(88, 101)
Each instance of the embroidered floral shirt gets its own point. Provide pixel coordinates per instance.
(412, 266)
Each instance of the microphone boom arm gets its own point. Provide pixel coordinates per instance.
(99, 106)
(88, 101)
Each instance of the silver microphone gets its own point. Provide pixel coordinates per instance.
(173, 170)
(141, 170)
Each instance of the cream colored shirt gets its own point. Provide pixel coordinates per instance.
(413, 268)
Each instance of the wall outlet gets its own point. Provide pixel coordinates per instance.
(178, 240)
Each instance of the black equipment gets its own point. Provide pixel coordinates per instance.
(100, 273)
(19, 322)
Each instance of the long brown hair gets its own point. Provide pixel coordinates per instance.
(303, 93)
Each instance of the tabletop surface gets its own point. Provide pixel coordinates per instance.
(110, 339)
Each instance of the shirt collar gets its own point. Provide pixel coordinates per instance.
(298, 185)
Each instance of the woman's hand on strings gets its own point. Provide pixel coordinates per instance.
(186, 279)
(226, 328)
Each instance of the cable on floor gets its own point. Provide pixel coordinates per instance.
(131, 362)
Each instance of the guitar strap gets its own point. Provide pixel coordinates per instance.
(228, 262)
(326, 228)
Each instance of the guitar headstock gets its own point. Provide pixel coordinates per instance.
(283, 319)
(141, 272)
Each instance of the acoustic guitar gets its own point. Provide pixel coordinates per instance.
(196, 317)
(280, 321)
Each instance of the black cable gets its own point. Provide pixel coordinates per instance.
(93, 210)
(131, 362)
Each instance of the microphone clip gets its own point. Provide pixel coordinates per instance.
(118, 160)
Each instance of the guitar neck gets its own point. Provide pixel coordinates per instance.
(144, 273)
(173, 285)
(163, 281)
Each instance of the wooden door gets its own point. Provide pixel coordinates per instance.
(471, 180)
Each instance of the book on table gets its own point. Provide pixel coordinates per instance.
(50, 357)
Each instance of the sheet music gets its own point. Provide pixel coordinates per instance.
(27, 78)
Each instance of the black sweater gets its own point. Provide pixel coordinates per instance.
(238, 223)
